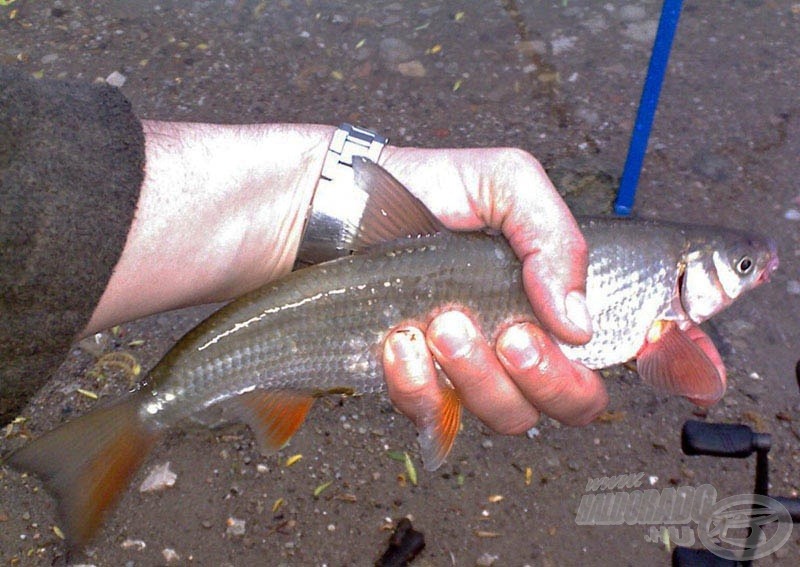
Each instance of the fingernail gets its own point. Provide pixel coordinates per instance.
(407, 348)
(407, 344)
(454, 335)
(578, 311)
(517, 348)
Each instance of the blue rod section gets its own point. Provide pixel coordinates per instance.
(670, 13)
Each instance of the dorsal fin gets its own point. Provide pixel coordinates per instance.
(391, 211)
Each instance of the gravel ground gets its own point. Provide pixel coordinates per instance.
(560, 79)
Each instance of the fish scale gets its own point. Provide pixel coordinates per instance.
(630, 284)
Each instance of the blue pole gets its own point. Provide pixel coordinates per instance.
(670, 12)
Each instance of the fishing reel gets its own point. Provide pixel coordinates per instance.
(735, 441)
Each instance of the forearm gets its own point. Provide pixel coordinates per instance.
(221, 212)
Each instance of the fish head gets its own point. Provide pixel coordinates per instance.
(720, 267)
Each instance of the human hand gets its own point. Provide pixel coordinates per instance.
(509, 384)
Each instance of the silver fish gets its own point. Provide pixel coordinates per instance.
(320, 330)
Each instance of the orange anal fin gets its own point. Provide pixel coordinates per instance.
(438, 429)
(682, 362)
(273, 415)
(87, 463)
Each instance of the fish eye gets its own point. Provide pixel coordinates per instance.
(745, 265)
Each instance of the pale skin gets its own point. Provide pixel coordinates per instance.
(221, 212)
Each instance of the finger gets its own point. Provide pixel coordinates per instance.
(542, 231)
(482, 384)
(411, 377)
(416, 391)
(565, 391)
(705, 343)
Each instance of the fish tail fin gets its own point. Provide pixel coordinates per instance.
(437, 432)
(88, 462)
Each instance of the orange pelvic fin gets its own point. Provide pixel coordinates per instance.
(87, 463)
(273, 415)
(437, 432)
(673, 361)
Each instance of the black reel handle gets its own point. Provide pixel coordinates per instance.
(722, 440)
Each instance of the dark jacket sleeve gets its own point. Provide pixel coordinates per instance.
(71, 166)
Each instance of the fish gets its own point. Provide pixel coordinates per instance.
(266, 356)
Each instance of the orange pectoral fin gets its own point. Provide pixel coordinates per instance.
(273, 415)
(437, 431)
(685, 363)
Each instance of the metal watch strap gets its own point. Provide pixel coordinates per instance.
(337, 206)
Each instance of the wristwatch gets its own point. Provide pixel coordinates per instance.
(336, 208)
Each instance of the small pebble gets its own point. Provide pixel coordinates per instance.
(793, 287)
(136, 544)
(236, 527)
(412, 69)
(486, 560)
(792, 214)
(395, 50)
(116, 79)
(487, 444)
(160, 477)
(50, 58)
(170, 555)
(533, 432)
